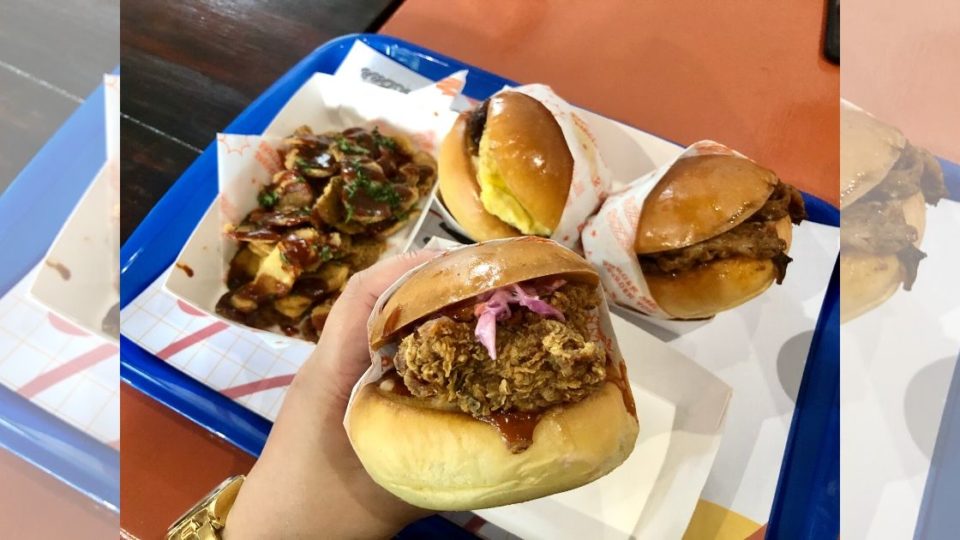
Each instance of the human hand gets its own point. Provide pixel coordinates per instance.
(308, 483)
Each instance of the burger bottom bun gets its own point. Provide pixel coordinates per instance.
(444, 460)
(716, 286)
(866, 281)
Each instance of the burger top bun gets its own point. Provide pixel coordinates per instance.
(467, 272)
(460, 191)
(446, 460)
(524, 160)
(868, 150)
(701, 197)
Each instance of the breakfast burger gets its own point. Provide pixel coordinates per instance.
(493, 381)
(508, 167)
(886, 183)
(704, 235)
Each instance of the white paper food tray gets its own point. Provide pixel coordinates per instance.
(324, 103)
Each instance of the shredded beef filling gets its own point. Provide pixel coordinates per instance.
(785, 200)
(751, 239)
(916, 170)
(876, 227)
(879, 227)
(755, 238)
(540, 362)
(910, 258)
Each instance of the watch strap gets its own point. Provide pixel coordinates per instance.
(208, 517)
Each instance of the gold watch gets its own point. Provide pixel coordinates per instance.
(205, 520)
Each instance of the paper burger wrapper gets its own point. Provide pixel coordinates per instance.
(380, 360)
(608, 237)
(591, 179)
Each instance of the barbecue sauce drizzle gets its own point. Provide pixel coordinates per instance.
(516, 427)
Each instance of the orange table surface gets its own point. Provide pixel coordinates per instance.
(749, 74)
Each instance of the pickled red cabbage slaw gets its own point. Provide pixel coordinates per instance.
(495, 306)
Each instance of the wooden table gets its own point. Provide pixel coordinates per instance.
(52, 55)
(190, 67)
(750, 75)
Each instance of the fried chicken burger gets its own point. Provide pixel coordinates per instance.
(499, 387)
(886, 183)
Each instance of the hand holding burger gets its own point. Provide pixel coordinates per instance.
(308, 482)
(497, 385)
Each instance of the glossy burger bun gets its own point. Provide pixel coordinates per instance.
(531, 156)
(869, 151)
(868, 280)
(701, 197)
(460, 191)
(464, 273)
(444, 460)
(717, 286)
(440, 459)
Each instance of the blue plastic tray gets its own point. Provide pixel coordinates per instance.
(938, 516)
(32, 210)
(808, 494)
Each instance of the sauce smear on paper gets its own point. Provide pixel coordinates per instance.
(60, 268)
(186, 269)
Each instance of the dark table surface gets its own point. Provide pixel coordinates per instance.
(52, 55)
(188, 68)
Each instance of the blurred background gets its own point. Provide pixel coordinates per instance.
(900, 386)
(59, 416)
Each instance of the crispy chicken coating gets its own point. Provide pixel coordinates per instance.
(540, 362)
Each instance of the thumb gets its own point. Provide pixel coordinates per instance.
(342, 354)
